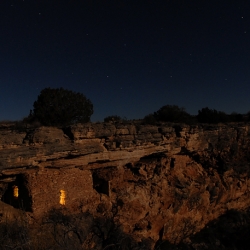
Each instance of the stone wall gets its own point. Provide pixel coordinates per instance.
(45, 186)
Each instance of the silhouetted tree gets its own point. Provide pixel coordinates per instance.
(206, 115)
(172, 113)
(236, 117)
(60, 107)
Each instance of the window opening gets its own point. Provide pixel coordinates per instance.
(15, 191)
(172, 162)
(62, 197)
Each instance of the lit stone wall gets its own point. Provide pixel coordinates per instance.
(46, 185)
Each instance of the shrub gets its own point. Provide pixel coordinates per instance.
(236, 117)
(113, 118)
(206, 115)
(150, 119)
(172, 113)
(61, 107)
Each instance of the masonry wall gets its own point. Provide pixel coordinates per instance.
(45, 186)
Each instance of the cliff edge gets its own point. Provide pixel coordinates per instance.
(156, 183)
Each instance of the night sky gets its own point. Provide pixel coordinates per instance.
(128, 57)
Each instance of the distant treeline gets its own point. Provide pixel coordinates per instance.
(61, 107)
(174, 113)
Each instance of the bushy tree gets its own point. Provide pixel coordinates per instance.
(61, 107)
(236, 117)
(172, 113)
(206, 115)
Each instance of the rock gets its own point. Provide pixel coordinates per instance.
(151, 182)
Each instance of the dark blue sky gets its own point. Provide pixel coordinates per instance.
(128, 57)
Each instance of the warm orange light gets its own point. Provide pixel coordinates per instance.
(62, 197)
(15, 191)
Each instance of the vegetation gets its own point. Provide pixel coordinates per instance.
(248, 116)
(169, 113)
(230, 231)
(235, 117)
(61, 107)
(207, 115)
(113, 118)
(150, 119)
(59, 229)
(173, 113)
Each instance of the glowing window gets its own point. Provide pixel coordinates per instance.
(62, 197)
(15, 191)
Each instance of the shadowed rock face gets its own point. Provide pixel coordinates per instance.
(161, 182)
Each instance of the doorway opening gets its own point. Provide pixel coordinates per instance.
(101, 185)
(17, 194)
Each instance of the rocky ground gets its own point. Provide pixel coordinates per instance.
(230, 231)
